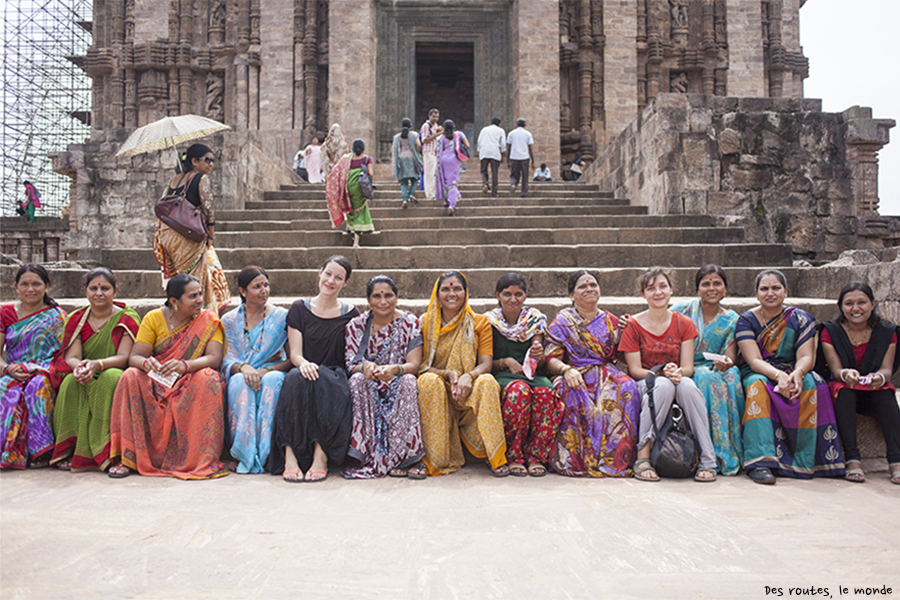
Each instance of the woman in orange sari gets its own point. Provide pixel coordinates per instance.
(173, 392)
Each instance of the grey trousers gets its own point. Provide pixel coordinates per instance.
(692, 403)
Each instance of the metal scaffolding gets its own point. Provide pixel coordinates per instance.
(46, 96)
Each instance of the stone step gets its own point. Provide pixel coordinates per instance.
(392, 210)
(386, 199)
(228, 220)
(465, 185)
(392, 190)
(821, 309)
(416, 283)
(468, 257)
(425, 237)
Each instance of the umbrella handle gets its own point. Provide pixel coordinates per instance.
(178, 160)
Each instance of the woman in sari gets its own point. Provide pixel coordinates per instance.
(314, 415)
(718, 380)
(531, 411)
(860, 351)
(658, 337)
(334, 147)
(177, 254)
(254, 368)
(167, 416)
(459, 399)
(96, 345)
(384, 352)
(597, 437)
(406, 162)
(344, 196)
(448, 164)
(30, 334)
(789, 423)
(313, 157)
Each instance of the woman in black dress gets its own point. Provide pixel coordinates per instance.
(314, 417)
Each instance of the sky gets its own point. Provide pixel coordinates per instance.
(853, 60)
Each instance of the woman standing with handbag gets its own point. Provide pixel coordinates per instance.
(178, 254)
(344, 191)
(453, 149)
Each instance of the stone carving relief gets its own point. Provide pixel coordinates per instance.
(215, 96)
(581, 45)
(679, 83)
(679, 14)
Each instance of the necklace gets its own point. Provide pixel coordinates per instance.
(257, 347)
(95, 323)
(858, 338)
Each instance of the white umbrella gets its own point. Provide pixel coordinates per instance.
(167, 132)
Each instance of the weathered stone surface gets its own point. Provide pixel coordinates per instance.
(730, 142)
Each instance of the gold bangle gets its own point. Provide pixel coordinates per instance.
(101, 363)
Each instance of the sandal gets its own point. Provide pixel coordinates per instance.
(317, 476)
(518, 470)
(405, 205)
(413, 200)
(856, 474)
(398, 472)
(417, 471)
(118, 471)
(501, 471)
(537, 470)
(64, 465)
(40, 463)
(705, 479)
(450, 211)
(642, 470)
(895, 472)
(293, 476)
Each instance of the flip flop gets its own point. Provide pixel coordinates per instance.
(116, 474)
(293, 479)
(317, 480)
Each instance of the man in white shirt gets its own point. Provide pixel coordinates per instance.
(542, 173)
(521, 156)
(300, 164)
(491, 146)
(429, 133)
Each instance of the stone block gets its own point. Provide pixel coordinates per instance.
(840, 225)
(698, 151)
(835, 243)
(750, 178)
(721, 203)
(802, 233)
(695, 202)
(798, 183)
(759, 160)
(724, 104)
(822, 171)
(810, 105)
(730, 142)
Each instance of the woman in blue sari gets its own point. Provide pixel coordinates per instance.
(30, 334)
(789, 423)
(718, 380)
(254, 368)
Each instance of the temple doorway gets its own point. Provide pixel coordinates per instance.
(445, 79)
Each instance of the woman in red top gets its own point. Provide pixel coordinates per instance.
(861, 351)
(659, 336)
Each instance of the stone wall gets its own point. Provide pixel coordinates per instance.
(780, 168)
(40, 241)
(112, 198)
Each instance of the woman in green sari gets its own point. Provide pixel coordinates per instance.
(96, 344)
(345, 198)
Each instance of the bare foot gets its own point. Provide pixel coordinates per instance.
(319, 469)
(356, 240)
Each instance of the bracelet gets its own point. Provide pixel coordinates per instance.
(402, 370)
(144, 364)
(883, 378)
(270, 368)
(841, 377)
(566, 369)
(101, 364)
(184, 362)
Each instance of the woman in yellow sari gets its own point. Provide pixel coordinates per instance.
(458, 396)
(168, 415)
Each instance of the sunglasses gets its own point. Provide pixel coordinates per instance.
(209, 160)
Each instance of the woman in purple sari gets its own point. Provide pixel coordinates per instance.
(449, 149)
(598, 434)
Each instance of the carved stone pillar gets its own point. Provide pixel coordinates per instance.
(217, 23)
(311, 67)
(864, 137)
(243, 23)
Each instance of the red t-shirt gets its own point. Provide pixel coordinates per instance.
(658, 349)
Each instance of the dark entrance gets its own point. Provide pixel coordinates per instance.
(445, 79)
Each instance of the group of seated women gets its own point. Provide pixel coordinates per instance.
(183, 393)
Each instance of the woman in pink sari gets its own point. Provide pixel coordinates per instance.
(313, 156)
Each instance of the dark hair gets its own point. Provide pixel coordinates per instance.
(448, 274)
(857, 286)
(40, 272)
(433, 111)
(176, 286)
(577, 157)
(341, 262)
(520, 123)
(509, 280)
(574, 277)
(495, 121)
(246, 277)
(449, 126)
(370, 287)
(405, 124)
(197, 151)
(709, 270)
(774, 272)
(101, 272)
(359, 146)
(650, 275)
(543, 166)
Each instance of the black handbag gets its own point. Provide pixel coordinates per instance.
(183, 217)
(365, 182)
(675, 453)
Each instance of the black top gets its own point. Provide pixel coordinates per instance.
(323, 339)
(878, 345)
(193, 192)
